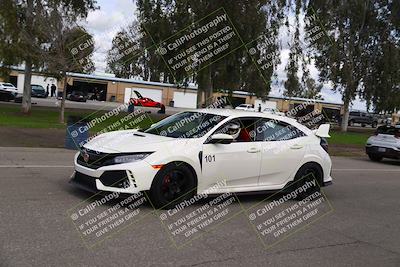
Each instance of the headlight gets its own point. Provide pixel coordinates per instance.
(130, 158)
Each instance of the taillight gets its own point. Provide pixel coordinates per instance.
(324, 144)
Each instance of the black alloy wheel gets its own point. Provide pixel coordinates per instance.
(174, 183)
(306, 174)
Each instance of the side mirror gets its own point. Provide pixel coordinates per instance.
(221, 139)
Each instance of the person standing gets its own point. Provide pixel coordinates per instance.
(53, 90)
(259, 107)
(47, 90)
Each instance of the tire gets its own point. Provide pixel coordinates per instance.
(374, 124)
(363, 125)
(174, 183)
(351, 123)
(375, 157)
(306, 174)
(5, 97)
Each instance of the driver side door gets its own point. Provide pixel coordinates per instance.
(237, 163)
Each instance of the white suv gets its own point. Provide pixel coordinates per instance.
(384, 144)
(8, 87)
(7, 91)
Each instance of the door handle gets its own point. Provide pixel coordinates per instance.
(297, 146)
(253, 150)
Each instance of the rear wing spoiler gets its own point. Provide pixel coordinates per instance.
(323, 131)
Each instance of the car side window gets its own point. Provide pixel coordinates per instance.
(245, 131)
(272, 130)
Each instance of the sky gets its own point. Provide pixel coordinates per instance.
(113, 15)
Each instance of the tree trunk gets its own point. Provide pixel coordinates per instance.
(205, 88)
(200, 90)
(209, 87)
(345, 120)
(64, 96)
(26, 98)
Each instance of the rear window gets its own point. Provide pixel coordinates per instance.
(37, 88)
(8, 84)
(388, 130)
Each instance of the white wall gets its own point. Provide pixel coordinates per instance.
(36, 79)
(185, 100)
(154, 94)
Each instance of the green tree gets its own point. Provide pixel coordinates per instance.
(351, 57)
(23, 27)
(292, 84)
(312, 89)
(236, 71)
(70, 51)
(125, 58)
(382, 67)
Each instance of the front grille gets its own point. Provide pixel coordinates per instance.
(117, 179)
(95, 159)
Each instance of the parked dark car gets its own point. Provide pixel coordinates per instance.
(7, 95)
(77, 96)
(362, 118)
(38, 91)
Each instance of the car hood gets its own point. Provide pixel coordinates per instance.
(129, 141)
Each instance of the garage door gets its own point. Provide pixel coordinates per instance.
(154, 94)
(185, 100)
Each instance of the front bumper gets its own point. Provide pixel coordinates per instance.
(130, 178)
(386, 153)
(84, 182)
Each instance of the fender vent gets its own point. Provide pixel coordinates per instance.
(131, 178)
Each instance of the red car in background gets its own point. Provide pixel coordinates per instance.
(145, 101)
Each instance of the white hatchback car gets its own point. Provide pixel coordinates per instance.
(190, 152)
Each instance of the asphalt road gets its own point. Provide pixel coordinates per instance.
(36, 230)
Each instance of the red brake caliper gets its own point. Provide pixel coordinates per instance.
(166, 182)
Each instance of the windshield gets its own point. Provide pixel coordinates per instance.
(388, 130)
(186, 125)
(37, 88)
